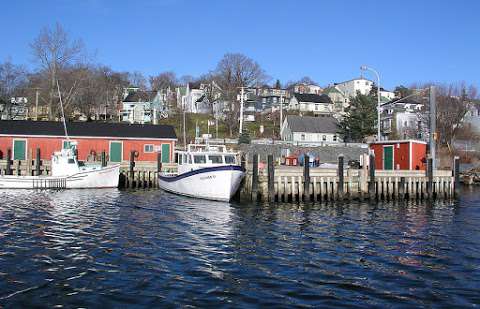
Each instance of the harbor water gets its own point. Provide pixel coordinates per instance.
(136, 249)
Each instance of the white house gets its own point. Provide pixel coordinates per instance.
(351, 87)
(310, 129)
(307, 102)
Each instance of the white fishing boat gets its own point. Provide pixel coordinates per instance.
(66, 173)
(204, 171)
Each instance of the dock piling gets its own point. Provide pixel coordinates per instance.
(254, 196)
(8, 170)
(306, 178)
(271, 179)
(371, 184)
(341, 179)
(456, 176)
(37, 162)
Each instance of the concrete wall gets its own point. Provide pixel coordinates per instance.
(325, 153)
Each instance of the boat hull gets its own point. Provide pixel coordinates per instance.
(101, 178)
(217, 183)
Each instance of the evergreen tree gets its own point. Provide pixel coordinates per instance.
(278, 85)
(359, 122)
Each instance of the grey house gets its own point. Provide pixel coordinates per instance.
(310, 129)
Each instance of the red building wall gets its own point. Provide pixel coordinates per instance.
(48, 145)
(419, 154)
(401, 155)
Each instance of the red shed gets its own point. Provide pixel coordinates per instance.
(116, 139)
(400, 155)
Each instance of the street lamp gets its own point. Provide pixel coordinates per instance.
(365, 68)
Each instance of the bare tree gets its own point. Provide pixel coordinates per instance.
(163, 80)
(137, 79)
(453, 103)
(232, 72)
(54, 51)
(12, 79)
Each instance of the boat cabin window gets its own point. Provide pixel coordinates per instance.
(180, 159)
(71, 161)
(199, 159)
(215, 159)
(230, 159)
(189, 159)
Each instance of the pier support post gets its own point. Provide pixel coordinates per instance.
(341, 179)
(131, 169)
(371, 183)
(254, 192)
(104, 159)
(8, 169)
(401, 188)
(37, 162)
(429, 177)
(456, 176)
(306, 178)
(271, 179)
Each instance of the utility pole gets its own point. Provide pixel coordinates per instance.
(241, 111)
(36, 103)
(184, 130)
(433, 125)
(281, 113)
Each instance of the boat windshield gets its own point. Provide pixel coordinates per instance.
(230, 159)
(215, 159)
(199, 159)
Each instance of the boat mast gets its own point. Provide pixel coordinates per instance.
(63, 113)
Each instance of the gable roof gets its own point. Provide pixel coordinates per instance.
(82, 129)
(314, 98)
(312, 124)
(140, 96)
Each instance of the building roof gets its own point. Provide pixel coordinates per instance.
(312, 124)
(315, 98)
(140, 96)
(83, 129)
(354, 79)
(397, 142)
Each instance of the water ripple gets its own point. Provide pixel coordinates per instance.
(114, 248)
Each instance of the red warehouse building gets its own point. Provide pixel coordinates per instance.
(400, 155)
(116, 139)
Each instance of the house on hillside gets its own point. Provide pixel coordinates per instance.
(306, 102)
(306, 88)
(310, 129)
(140, 106)
(403, 119)
(23, 138)
(339, 99)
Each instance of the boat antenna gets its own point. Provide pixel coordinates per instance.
(63, 113)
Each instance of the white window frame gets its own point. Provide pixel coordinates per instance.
(145, 146)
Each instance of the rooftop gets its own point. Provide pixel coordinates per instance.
(83, 129)
(315, 98)
(312, 124)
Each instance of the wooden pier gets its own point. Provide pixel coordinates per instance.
(295, 183)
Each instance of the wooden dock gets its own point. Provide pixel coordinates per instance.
(295, 183)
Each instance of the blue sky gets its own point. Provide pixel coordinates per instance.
(406, 41)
